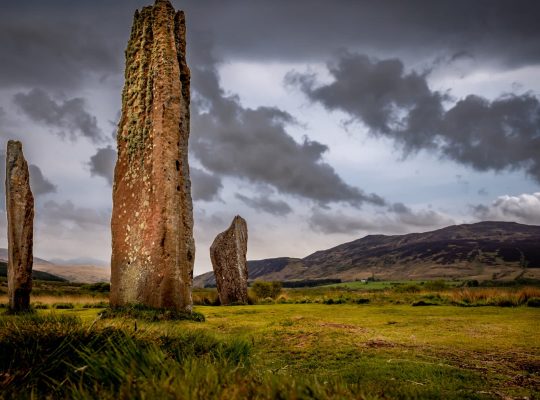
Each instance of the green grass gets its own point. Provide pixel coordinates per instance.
(385, 348)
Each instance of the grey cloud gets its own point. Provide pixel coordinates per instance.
(524, 208)
(337, 222)
(56, 213)
(38, 183)
(253, 144)
(70, 116)
(102, 163)
(204, 186)
(486, 135)
(422, 218)
(263, 203)
(399, 219)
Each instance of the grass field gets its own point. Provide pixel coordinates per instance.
(383, 349)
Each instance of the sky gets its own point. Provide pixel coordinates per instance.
(319, 122)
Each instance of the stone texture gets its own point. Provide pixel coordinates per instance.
(20, 217)
(152, 221)
(228, 254)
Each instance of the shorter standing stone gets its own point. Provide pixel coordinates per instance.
(228, 254)
(20, 216)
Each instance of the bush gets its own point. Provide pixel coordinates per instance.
(409, 288)
(361, 301)
(101, 287)
(40, 306)
(533, 302)
(436, 285)
(263, 289)
(101, 304)
(63, 306)
(423, 303)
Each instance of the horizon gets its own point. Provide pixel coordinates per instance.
(387, 123)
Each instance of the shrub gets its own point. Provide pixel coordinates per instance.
(436, 285)
(63, 306)
(263, 289)
(423, 303)
(40, 306)
(102, 287)
(361, 301)
(533, 302)
(409, 288)
(101, 304)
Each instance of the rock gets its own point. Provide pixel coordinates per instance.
(152, 220)
(228, 254)
(20, 217)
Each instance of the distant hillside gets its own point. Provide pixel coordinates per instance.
(78, 273)
(4, 257)
(485, 250)
(75, 272)
(38, 275)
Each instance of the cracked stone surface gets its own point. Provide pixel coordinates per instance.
(20, 217)
(153, 250)
(228, 254)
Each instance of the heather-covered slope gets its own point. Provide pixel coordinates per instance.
(485, 250)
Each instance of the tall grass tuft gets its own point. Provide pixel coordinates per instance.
(58, 357)
(502, 297)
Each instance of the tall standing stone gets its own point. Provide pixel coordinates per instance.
(152, 220)
(228, 254)
(20, 218)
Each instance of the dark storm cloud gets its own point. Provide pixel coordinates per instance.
(204, 186)
(499, 31)
(48, 52)
(263, 203)
(70, 116)
(102, 163)
(38, 183)
(253, 144)
(59, 43)
(486, 135)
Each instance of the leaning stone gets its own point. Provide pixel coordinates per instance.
(152, 220)
(20, 218)
(228, 254)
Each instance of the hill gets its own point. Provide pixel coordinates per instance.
(38, 275)
(485, 250)
(75, 272)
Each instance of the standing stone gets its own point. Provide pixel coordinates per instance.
(228, 254)
(20, 218)
(152, 220)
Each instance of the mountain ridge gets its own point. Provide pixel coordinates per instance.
(483, 250)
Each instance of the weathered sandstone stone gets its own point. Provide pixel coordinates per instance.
(152, 221)
(228, 254)
(20, 217)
